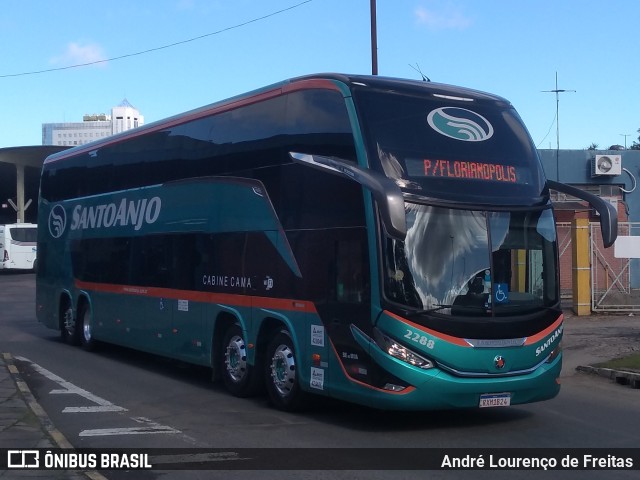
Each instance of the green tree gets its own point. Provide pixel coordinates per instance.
(636, 145)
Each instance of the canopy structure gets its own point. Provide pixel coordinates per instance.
(23, 157)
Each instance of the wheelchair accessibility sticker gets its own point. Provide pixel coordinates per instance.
(500, 293)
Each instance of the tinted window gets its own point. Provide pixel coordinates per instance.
(250, 137)
(21, 234)
(237, 263)
(304, 197)
(450, 148)
(102, 260)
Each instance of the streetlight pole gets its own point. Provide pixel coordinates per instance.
(625, 135)
(374, 40)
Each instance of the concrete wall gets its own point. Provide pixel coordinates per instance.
(574, 167)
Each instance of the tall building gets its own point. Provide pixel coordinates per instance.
(125, 117)
(93, 127)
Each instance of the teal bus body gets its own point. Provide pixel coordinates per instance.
(330, 235)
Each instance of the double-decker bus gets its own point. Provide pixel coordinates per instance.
(382, 241)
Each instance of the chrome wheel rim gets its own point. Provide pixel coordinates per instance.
(86, 326)
(235, 358)
(283, 370)
(69, 322)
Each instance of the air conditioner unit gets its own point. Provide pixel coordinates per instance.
(606, 165)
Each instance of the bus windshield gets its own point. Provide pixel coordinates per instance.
(24, 234)
(473, 262)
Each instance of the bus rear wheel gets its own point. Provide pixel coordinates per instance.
(281, 374)
(68, 325)
(85, 326)
(239, 377)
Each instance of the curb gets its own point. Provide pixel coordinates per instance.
(621, 377)
(58, 439)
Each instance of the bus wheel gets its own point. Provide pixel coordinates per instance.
(238, 375)
(69, 331)
(280, 373)
(85, 326)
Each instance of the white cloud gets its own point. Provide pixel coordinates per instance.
(185, 5)
(80, 54)
(444, 19)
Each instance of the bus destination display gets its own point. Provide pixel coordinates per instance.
(458, 169)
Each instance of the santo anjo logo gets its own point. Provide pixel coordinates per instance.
(57, 221)
(460, 124)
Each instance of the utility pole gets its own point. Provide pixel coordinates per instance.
(374, 39)
(557, 91)
(625, 135)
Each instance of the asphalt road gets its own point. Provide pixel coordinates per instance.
(119, 398)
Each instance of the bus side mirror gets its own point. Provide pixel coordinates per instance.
(608, 214)
(385, 191)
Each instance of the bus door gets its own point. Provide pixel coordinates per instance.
(188, 337)
(338, 260)
(187, 330)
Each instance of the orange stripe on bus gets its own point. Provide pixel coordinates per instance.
(407, 390)
(204, 297)
(461, 342)
(547, 331)
(310, 83)
(442, 336)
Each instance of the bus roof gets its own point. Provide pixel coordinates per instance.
(13, 225)
(324, 80)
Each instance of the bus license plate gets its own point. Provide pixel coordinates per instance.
(495, 400)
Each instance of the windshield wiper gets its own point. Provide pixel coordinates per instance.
(441, 307)
(429, 310)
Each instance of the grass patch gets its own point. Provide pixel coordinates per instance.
(632, 362)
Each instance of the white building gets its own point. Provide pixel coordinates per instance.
(125, 117)
(93, 127)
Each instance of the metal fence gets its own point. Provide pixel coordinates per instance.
(611, 277)
(565, 250)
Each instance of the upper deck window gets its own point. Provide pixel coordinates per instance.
(227, 141)
(457, 149)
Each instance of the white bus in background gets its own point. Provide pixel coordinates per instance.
(18, 246)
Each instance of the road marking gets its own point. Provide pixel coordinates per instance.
(70, 388)
(148, 427)
(98, 409)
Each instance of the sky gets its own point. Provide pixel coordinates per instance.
(170, 56)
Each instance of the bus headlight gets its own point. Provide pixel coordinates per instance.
(403, 353)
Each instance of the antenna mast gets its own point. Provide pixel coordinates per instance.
(558, 91)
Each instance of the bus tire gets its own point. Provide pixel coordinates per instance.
(240, 378)
(85, 327)
(68, 326)
(281, 376)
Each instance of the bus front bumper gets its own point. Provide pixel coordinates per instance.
(435, 389)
